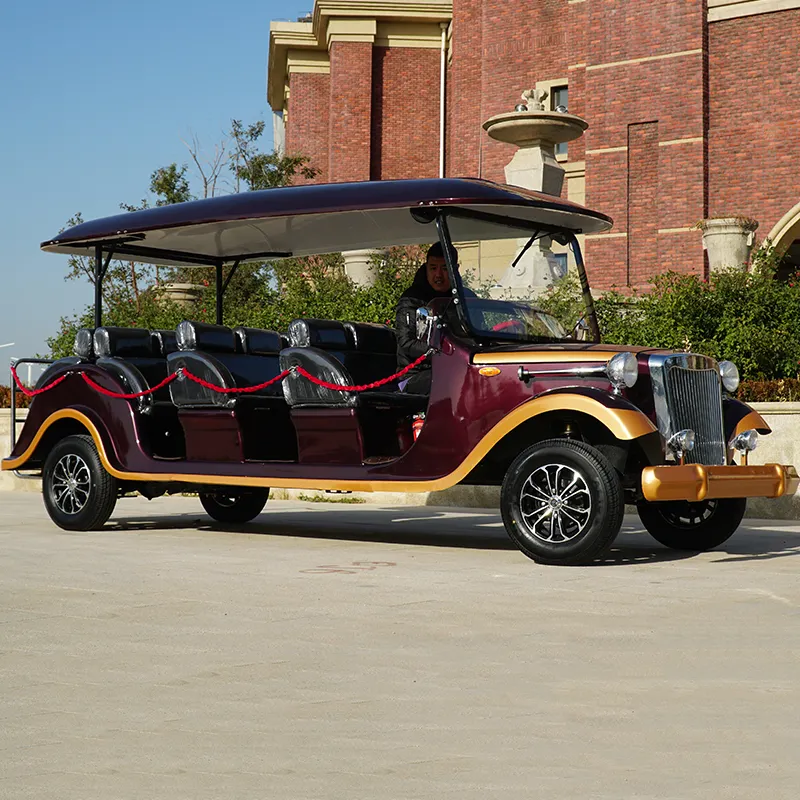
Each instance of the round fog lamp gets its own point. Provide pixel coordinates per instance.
(730, 375)
(682, 442)
(745, 442)
(622, 370)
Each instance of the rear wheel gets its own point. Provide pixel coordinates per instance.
(79, 494)
(681, 525)
(235, 507)
(562, 502)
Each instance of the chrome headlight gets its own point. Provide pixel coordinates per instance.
(622, 370)
(730, 375)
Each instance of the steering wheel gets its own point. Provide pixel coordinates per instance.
(510, 326)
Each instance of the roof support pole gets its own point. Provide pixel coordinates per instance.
(588, 301)
(100, 269)
(220, 292)
(451, 262)
(442, 98)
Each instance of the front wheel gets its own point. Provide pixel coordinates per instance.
(237, 507)
(79, 494)
(681, 525)
(562, 502)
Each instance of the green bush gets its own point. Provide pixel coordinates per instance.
(749, 318)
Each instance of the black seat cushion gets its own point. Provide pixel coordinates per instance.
(130, 355)
(258, 342)
(324, 334)
(164, 342)
(110, 342)
(370, 337)
(205, 337)
(227, 359)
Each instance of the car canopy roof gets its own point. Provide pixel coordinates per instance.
(318, 218)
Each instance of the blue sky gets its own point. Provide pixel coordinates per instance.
(93, 97)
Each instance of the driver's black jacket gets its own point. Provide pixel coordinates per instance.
(409, 348)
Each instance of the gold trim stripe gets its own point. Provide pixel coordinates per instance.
(546, 357)
(644, 59)
(625, 424)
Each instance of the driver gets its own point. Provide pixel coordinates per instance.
(431, 281)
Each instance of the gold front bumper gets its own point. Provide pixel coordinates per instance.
(695, 482)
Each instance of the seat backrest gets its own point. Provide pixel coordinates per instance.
(234, 359)
(84, 344)
(367, 351)
(129, 354)
(299, 391)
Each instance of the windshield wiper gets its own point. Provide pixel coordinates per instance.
(525, 249)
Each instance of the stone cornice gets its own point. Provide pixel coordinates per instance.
(380, 11)
(719, 10)
(393, 23)
(285, 37)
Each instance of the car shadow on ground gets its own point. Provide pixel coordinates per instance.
(457, 528)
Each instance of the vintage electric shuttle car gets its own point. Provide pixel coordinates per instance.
(570, 428)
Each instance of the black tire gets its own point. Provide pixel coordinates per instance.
(695, 527)
(79, 494)
(235, 506)
(589, 502)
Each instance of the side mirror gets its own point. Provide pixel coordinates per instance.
(580, 332)
(426, 324)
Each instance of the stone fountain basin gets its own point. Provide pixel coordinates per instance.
(529, 128)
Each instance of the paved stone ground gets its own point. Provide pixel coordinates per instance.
(365, 652)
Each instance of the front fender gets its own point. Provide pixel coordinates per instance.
(739, 417)
(620, 416)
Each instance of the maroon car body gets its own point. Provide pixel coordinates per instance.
(570, 429)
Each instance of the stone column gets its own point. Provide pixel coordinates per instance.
(350, 136)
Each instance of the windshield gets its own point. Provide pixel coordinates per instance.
(505, 278)
(514, 321)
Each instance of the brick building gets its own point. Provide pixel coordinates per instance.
(692, 106)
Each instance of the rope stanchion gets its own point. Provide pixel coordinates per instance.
(213, 387)
(132, 396)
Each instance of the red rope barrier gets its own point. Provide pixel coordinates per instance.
(34, 392)
(365, 386)
(221, 390)
(133, 396)
(214, 388)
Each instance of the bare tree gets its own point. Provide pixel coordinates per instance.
(209, 167)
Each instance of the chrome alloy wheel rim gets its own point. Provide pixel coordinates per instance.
(682, 514)
(71, 484)
(555, 503)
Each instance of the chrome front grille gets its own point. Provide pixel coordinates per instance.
(688, 394)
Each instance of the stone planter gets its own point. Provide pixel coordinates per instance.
(184, 294)
(728, 241)
(358, 266)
